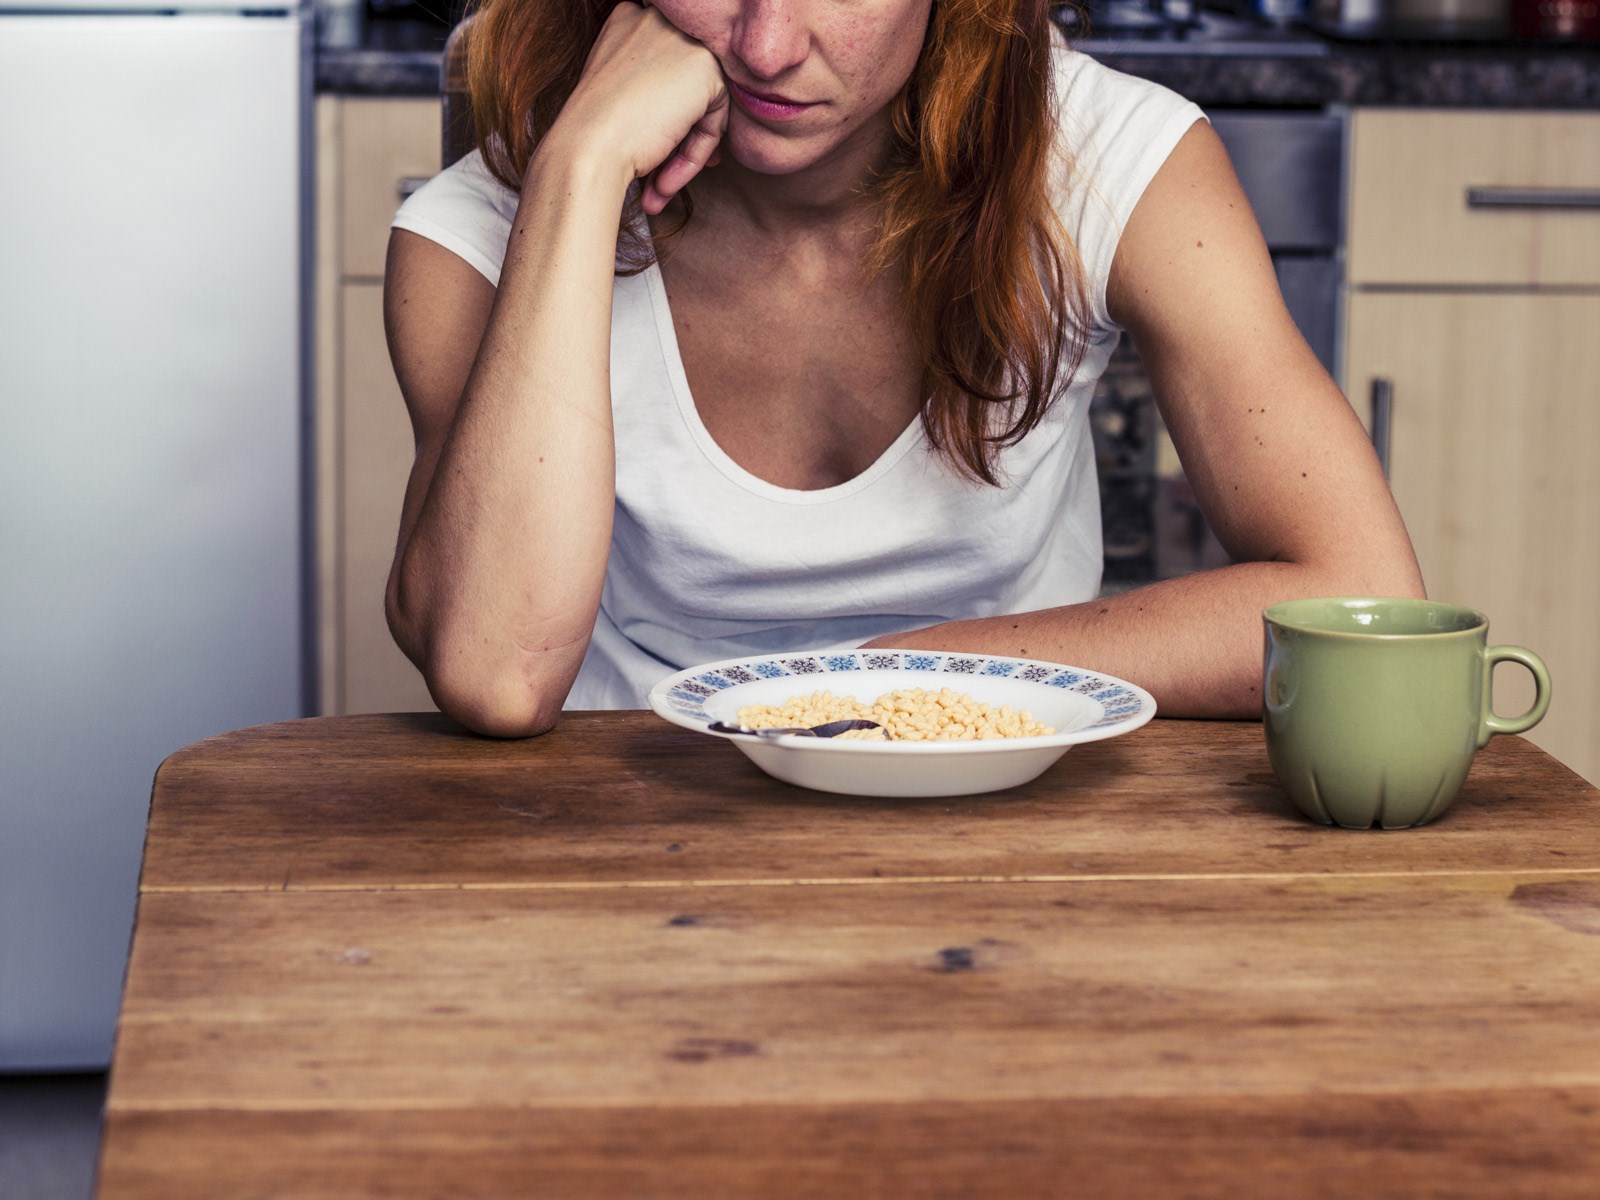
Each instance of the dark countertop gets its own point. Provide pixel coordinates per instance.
(396, 58)
(1245, 67)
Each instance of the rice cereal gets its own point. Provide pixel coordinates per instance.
(908, 715)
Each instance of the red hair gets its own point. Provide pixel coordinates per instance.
(995, 294)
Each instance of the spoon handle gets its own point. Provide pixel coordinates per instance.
(724, 727)
(826, 730)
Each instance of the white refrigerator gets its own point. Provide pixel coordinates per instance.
(153, 204)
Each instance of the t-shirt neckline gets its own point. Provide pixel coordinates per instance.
(672, 358)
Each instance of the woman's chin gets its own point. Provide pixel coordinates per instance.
(767, 153)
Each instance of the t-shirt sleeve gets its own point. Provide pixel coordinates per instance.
(1115, 132)
(466, 210)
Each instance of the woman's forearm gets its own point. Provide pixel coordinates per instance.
(1192, 642)
(498, 580)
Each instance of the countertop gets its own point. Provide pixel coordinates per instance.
(1233, 65)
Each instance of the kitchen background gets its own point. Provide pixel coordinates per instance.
(202, 447)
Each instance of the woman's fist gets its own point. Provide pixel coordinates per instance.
(654, 97)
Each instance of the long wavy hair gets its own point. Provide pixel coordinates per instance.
(995, 294)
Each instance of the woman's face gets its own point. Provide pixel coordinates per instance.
(805, 75)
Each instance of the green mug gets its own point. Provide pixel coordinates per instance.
(1374, 707)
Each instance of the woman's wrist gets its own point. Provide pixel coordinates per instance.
(580, 161)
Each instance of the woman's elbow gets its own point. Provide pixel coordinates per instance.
(1411, 587)
(1394, 568)
(1383, 570)
(498, 704)
(485, 697)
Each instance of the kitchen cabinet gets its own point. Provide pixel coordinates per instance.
(1482, 322)
(370, 153)
(1411, 224)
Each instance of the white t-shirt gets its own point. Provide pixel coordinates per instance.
(710, 562)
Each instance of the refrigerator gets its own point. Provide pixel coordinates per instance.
(153, 517)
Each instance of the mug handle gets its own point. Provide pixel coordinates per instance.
(1492, 724)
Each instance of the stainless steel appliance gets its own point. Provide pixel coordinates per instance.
(153, 159)
(1129, 18)
(1291, 167)
(1107, 28)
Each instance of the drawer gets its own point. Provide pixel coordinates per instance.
(388, 145)
(1432, 198)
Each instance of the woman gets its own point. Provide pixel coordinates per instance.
(848, 405)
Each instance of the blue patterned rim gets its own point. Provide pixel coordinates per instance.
(687, 696)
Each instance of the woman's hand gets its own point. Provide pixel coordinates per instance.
(653, 96)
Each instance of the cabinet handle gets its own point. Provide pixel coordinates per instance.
(1382, 420)
(1513, 197)
(410, 184)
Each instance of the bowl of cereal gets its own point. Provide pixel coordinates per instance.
(953, 724)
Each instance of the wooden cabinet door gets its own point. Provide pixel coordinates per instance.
(375, 455)
(390, 146)
(1495, 463)
(370, 151)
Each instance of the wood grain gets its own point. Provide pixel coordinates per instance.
(861, 994)
(379, 957)
(394, 801)
(1179, 1037)
(1434, 1146)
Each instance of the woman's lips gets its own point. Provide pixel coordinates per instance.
(769, 108)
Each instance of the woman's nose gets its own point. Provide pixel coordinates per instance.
(771, 37)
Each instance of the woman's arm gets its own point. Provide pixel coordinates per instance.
(1283, 469)
(507, 516)
(506, 523)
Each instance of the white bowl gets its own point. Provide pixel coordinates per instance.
(1081, 705)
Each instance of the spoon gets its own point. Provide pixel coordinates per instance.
(828, 730)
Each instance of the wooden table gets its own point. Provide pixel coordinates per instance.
(377, 957)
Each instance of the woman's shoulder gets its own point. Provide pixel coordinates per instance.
(1107, 117)
(465, 209)
(1113, 133)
